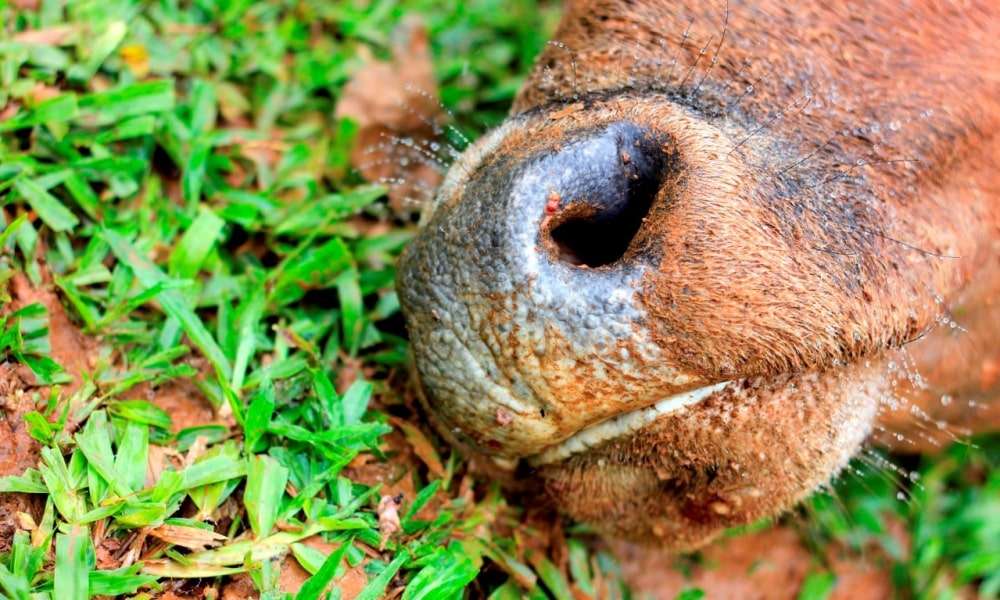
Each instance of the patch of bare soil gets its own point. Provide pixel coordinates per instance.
(18, 452)
(396, 107)
(70, 348)
(17, 397)
(394, 476)
(76, 352)
(293, 576)
(182, 400)
(238, 587)
(768, 565)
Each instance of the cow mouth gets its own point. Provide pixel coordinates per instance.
(624, 424)
(690, 402)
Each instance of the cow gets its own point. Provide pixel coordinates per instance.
(713, 250)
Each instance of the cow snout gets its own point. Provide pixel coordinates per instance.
(524, 291)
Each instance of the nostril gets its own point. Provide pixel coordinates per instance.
(588, 235)
(596, 225)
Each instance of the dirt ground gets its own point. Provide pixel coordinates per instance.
(19, 394)
(768, 565)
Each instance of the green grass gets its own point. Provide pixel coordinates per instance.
(948, 505)
(127, 175)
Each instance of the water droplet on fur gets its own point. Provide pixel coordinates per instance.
(945, 400)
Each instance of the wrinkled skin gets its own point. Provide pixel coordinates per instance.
(710, 245)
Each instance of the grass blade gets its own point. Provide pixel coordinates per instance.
(212, 470)
(258, 416)
(74, 560)
(248, 317)
(195, 245)
(376, 587)
(318, 583)
(58, 109)
(133, 454)
(172, 301)
(446, 577)
(131, 100)
(266, 480)
(118, 582)
(50, 210)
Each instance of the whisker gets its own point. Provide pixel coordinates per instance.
(394, 144)
(830, 251)
(715, 56)
(779, 115)
(701, 53)
(749, 89)
(680, 48)
(906, 245)
(572, 63)
(806, 157)
(448, 126)
(397, 182)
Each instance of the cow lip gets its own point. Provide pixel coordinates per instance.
(623, 424)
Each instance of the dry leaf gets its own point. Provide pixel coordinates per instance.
(26, 522)
(106, 552)
(194, 538)
(50, 36)
(135, 547)
(388, 517)
(197, 448)
(422, 446)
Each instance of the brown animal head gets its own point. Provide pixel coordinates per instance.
(681, 279)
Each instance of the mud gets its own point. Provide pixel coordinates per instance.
(70, 348)
(182, 400)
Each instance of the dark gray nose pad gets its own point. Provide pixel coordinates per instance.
(596, 217)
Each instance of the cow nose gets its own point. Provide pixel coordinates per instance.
(607, 182)
(521, 292)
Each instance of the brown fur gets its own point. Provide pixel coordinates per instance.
(736, 264)
(837, 198)
(737, 261)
